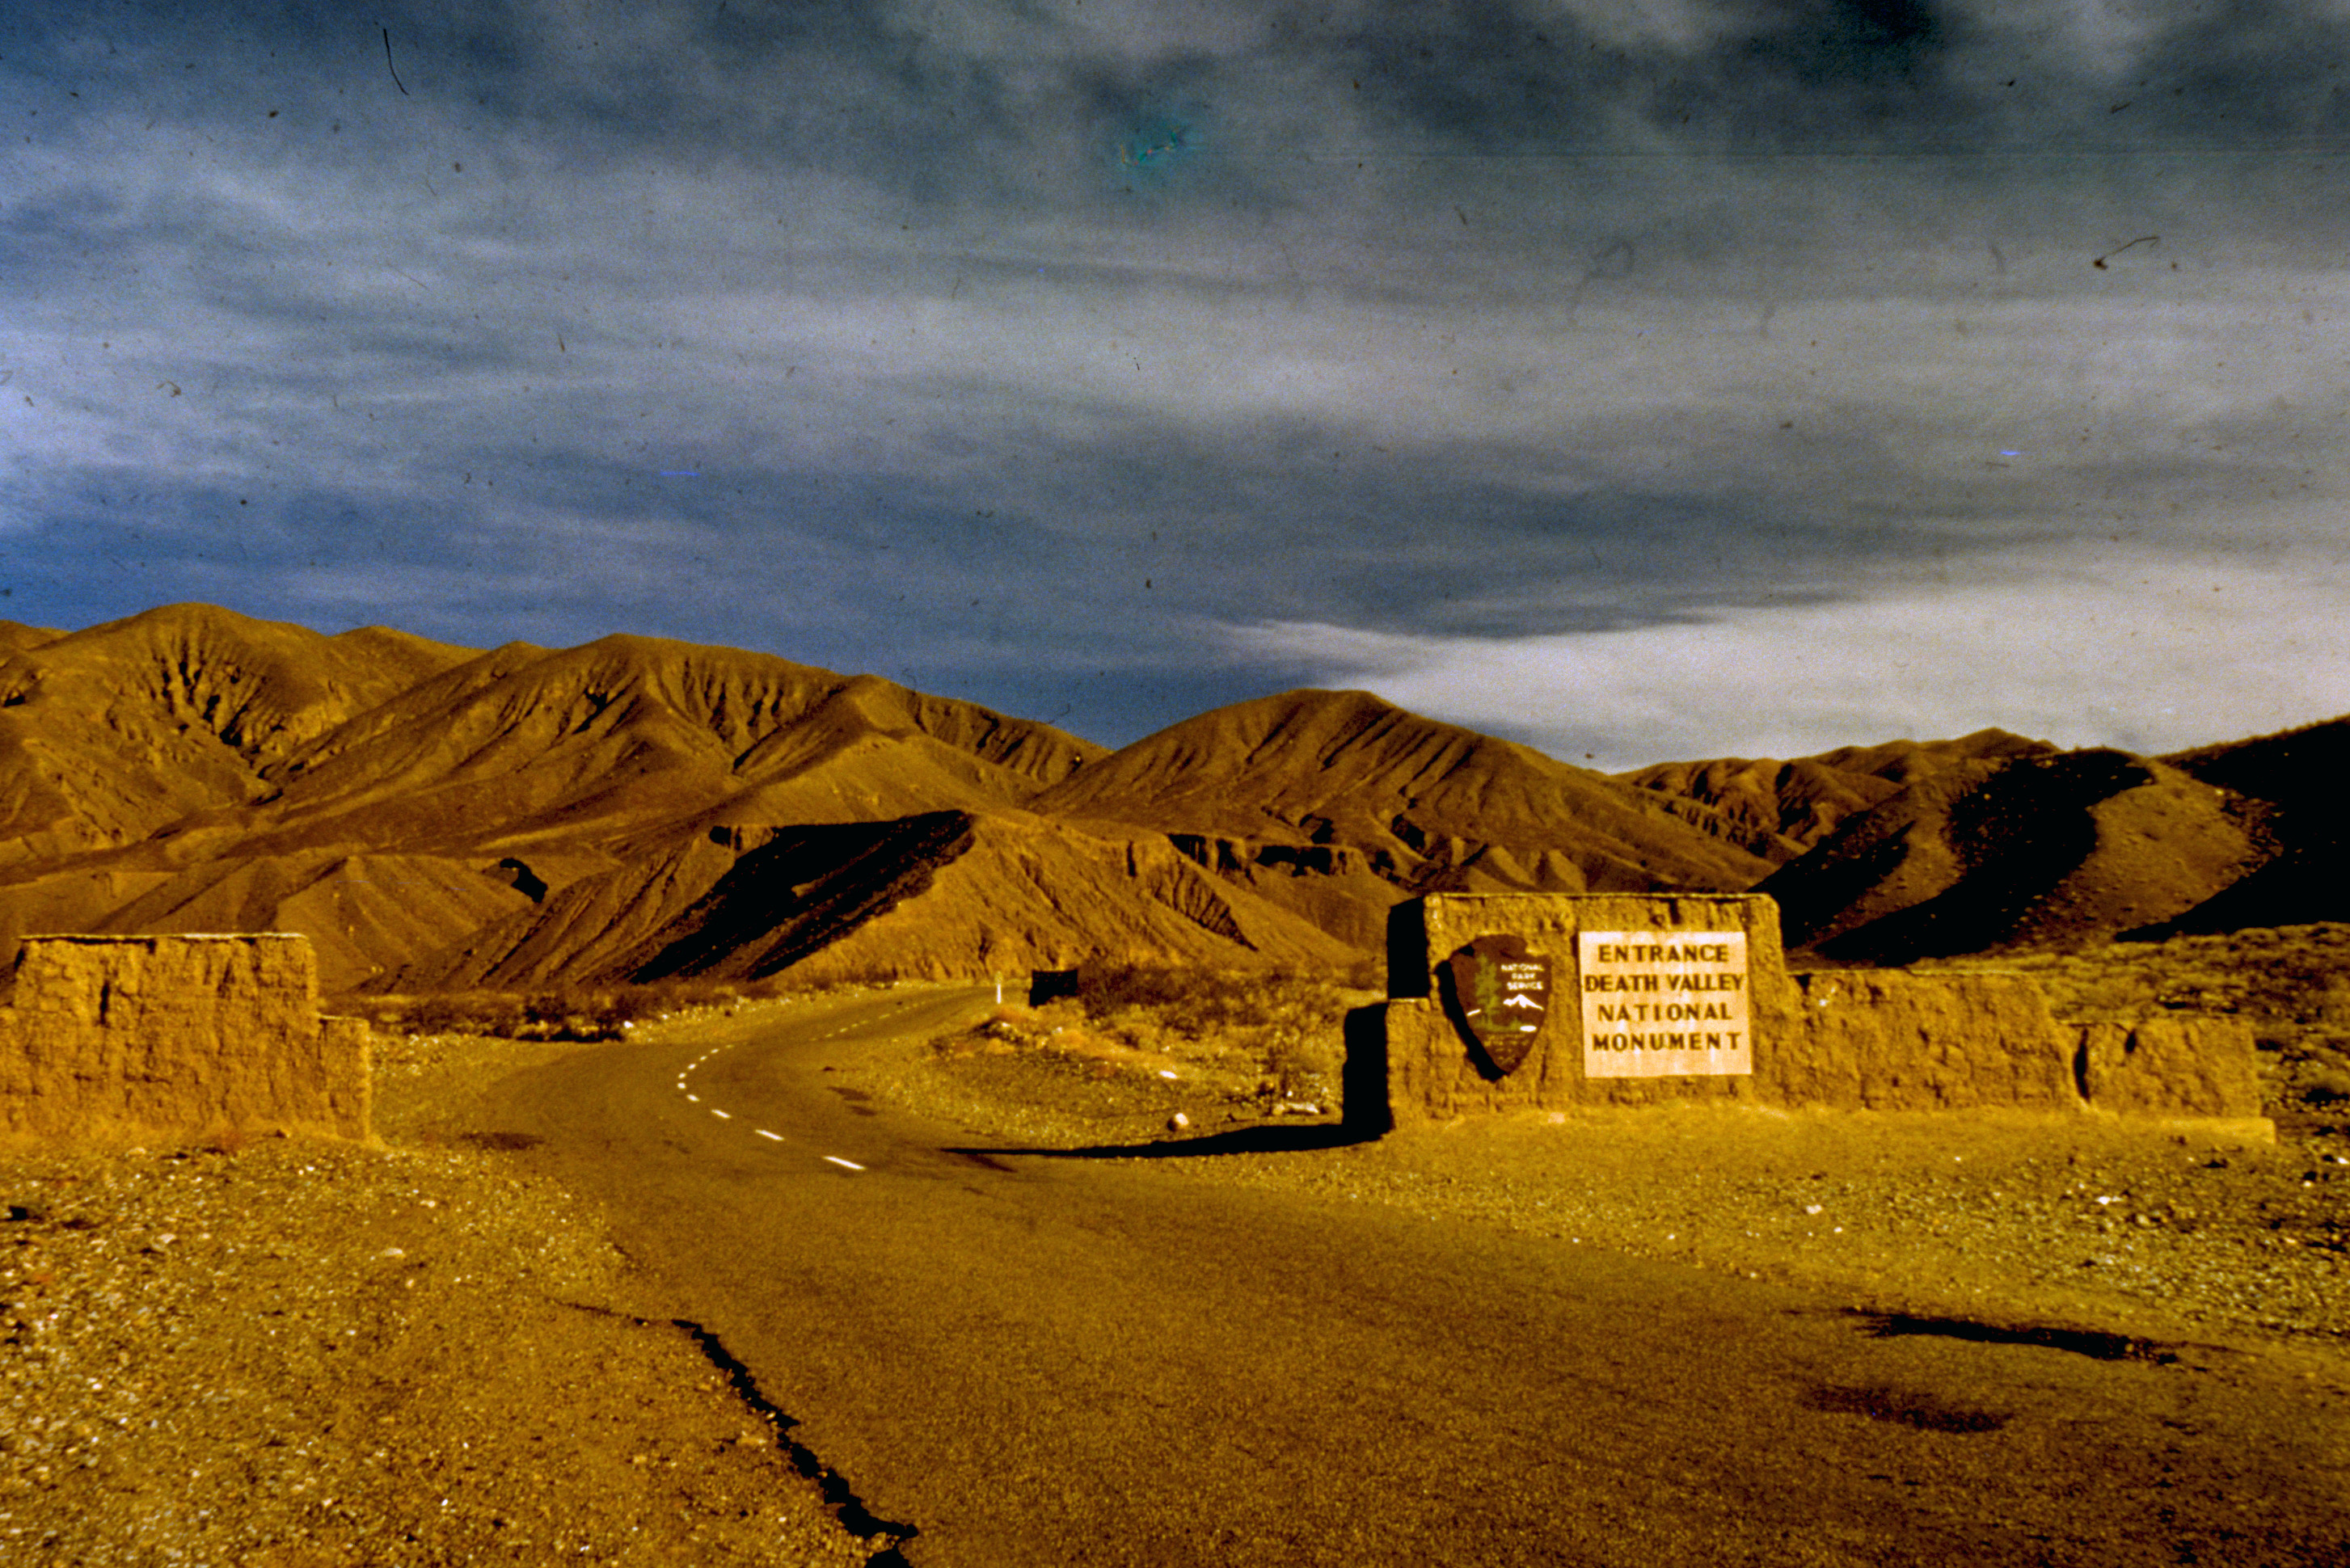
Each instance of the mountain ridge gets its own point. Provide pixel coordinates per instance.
(636, 809)
(190, 767)
(1267, 787)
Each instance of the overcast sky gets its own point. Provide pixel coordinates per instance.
(1642, 378)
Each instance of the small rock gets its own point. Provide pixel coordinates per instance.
(1178, 1122)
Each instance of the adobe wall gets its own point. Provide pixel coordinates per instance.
(122, 1039)
(2169, 1064)
(1887, 1040)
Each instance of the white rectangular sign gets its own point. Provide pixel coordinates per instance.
(1660, 1004)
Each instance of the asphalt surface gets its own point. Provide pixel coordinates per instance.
(1025, 1360)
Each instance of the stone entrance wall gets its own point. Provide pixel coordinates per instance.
(121, 1039)
(1855, 1038)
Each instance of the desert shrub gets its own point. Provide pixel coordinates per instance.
(1104, 989)
(424, 1015)
(2323, 1086)
(1303, 1067)
(457, 1013)
(587, 1013)
(1202, 1002)
(1286, 1025)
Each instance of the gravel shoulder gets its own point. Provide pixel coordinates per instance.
(290, 1353)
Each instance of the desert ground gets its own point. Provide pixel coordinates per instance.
(430, 1352)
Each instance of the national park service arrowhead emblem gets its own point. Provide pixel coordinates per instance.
(1499, 994)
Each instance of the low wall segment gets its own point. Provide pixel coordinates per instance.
(112, 1039)
(1645, 998)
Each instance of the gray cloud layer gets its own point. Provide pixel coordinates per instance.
(1108, 361)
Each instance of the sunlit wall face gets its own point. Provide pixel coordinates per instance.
(1639, 380)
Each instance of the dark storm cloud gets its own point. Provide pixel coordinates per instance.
(1505, 78)
(1015, 348)
(2258, 71)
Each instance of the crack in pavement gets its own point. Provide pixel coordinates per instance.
(838, 1495)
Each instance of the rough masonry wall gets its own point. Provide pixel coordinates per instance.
(117, 1039)
(1430, 1070)
(1885, 1040)
(2169, 1064)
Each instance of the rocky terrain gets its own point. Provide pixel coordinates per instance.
(292, 1353)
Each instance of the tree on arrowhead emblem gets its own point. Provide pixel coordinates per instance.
(1499, 995)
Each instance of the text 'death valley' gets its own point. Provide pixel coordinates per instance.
(1663, 1005)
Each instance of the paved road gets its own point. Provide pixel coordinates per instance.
(1035, 1361)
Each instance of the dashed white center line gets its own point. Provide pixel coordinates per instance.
(778, 1137)
(695, 1099)
(843, 1164)
(723, 1115)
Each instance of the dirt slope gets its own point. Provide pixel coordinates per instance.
(940, 896)
(108, 734)
(630, 738)
(192, 769)
(1335, 804)
(2300, 774)
(2021, 851)
(15, 636)
(1779, 810)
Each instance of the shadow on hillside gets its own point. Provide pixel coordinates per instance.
(1293, 1139)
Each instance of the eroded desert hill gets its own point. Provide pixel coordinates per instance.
(2019, 852)
(191, 769)
(1995, 842)
(635, 809)
(433, 816)
(2299, 775)
(1336, 804)
(108, 735)
(1779, 810)
(942, 895)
